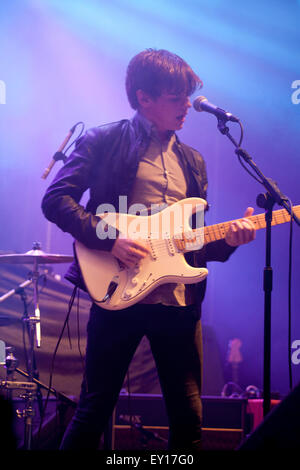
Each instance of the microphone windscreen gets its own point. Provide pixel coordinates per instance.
(197, 103)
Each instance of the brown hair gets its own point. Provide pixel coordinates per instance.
(156, 71)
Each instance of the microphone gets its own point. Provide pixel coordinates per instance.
(202, 104)
(59, 155)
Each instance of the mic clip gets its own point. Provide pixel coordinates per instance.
(59, 156)
(222, 124)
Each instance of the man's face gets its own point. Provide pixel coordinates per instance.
(167, 112)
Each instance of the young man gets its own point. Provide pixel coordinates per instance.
(144, 160)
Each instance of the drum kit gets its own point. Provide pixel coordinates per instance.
(35, 258)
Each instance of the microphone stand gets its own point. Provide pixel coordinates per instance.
(266, 201)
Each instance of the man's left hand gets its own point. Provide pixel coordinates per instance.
(241, 231)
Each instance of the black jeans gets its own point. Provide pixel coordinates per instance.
(175, 337)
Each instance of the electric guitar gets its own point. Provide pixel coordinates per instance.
(234, 357)
(169, 235)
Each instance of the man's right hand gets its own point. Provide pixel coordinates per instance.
(130, 252)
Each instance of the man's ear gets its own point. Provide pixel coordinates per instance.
(144, 100)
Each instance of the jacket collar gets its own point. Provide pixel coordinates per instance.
(148, 127)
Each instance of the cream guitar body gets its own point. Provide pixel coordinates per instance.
(168, 235)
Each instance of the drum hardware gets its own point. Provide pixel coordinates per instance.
(31, 388)
(29, 392)
(36, 257)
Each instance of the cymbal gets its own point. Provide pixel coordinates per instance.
(35, 256)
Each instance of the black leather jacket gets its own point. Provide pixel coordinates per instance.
(105, 162)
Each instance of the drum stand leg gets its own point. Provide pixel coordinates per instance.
(27, 414)
(28, 395)
(33, 326)
(29, 388)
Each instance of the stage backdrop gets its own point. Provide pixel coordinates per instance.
(65, 61)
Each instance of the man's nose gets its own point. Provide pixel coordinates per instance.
(188, 103)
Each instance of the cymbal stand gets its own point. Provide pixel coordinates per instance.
(36, 320)
(30, 389)
(33, 321)
(33, 327)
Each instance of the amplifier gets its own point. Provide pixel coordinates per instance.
(140, 422)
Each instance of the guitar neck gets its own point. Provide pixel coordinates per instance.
(218, 231)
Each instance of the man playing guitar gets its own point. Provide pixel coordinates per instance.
(144, 160)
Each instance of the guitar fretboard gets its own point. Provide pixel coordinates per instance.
(218, 231)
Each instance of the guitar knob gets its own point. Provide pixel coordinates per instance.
(134, 281)
(127, 294)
